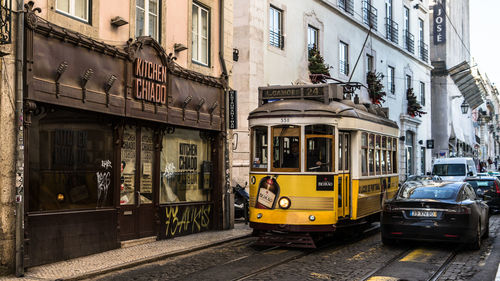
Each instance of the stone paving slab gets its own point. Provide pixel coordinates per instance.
(93, 265)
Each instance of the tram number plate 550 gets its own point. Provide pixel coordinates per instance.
(285, 120)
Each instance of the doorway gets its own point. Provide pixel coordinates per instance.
(344, 179)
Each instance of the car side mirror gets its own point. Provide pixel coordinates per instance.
(470, 173)
(480, 193)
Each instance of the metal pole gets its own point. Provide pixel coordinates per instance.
(19, 154)
(360, 53)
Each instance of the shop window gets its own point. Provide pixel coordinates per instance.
(186, 167)
(70, 162)
(259, 148)
(128, 166)
(147, 155)
(364, 153)
(286, 148)
(147, 18)
(319, 148)
(78, 9)
(200, 33)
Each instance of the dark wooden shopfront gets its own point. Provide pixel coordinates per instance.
(123, 143)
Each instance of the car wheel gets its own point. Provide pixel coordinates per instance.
(388, 241)
(487, 230)
(476, 243)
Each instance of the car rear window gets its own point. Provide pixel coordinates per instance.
(428, 192)
(481, 183)
(448, 169)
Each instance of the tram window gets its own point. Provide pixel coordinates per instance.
(383, 155)
(371, 155)
(394, 156)
(389, 168)
(259, 148)
(364, 152)
(319, 154)
(286, 148)
(341, 153)
(377, 154)
(346, 151)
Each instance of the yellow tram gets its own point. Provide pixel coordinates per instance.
(318, 161)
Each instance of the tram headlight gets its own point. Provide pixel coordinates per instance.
(259, 215)
(312, 218)
(284, 203)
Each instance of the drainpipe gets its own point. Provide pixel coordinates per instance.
(19, 133)
(227, 178)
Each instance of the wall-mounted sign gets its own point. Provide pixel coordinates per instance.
(233, 110)
(430, 144)
(439, 23)
(150, 82)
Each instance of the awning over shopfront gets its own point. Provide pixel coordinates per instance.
(469, 82)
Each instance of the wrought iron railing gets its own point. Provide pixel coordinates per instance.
(276, 39)
(369, 15)
(391, 30)
(347, 6)
(344, 67)
(409, 41)
(5, 21)
(424, 51)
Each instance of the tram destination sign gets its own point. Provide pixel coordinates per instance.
(293, 92)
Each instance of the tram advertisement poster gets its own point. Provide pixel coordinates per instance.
(179, 220)
(268, 191)
(324, 182)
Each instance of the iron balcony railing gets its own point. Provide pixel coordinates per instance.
(424, 51)
(347, 6)
(391, 29)
(276, 39)
(369, 15)
(409, 41)
(344, 67)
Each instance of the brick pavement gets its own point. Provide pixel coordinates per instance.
(89, 266)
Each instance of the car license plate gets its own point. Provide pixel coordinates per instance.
(418, 213)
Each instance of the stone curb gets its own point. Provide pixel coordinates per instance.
(95, 273)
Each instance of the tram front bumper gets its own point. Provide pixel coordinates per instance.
(292, 217)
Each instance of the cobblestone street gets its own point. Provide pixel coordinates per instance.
(346, 259)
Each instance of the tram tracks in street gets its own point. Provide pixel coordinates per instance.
(414, 263)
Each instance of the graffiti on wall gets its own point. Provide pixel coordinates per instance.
(185, 219)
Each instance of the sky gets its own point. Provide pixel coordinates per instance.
(485, 37)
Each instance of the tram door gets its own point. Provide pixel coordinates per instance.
(344, 180)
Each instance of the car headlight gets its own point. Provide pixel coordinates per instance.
(284, 203)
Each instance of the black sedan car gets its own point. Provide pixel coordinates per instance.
(489, 188)
(435, 211)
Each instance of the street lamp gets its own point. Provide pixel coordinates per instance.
(464, 107)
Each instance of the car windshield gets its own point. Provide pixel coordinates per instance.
(428, 192)
(449, 169)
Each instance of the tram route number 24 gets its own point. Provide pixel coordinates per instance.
(285, 120)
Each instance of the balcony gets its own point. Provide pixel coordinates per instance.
(369, 15)
(276, 39)
(347, 6)
(409, 41)
(423, 51)
(391, 29)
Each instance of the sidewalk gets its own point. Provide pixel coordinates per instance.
(90, 266)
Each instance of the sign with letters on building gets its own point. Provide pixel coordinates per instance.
(233, 110)
(439, 23)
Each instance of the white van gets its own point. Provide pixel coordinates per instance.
(454, 169)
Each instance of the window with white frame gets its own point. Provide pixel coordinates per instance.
(343, 58)
(276, 27)
(422, 93)
(201, 27)
(147, 18)
(408, 82)
(390, 80)
(75, 8)
(312, 37)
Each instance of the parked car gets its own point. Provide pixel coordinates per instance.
(435, 211)
(489, 188)
(454, 169)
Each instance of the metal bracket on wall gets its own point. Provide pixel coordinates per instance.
(198, 108)
(211, 111)
(184, 104)
(108, 86)
(85, 79)
(60, 70)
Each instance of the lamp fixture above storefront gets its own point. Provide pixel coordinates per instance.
(464, 107)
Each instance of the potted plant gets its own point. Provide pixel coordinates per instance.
(375, 87)
(317, 68)
(414, 108)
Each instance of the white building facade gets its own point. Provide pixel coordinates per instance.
(273, 36)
